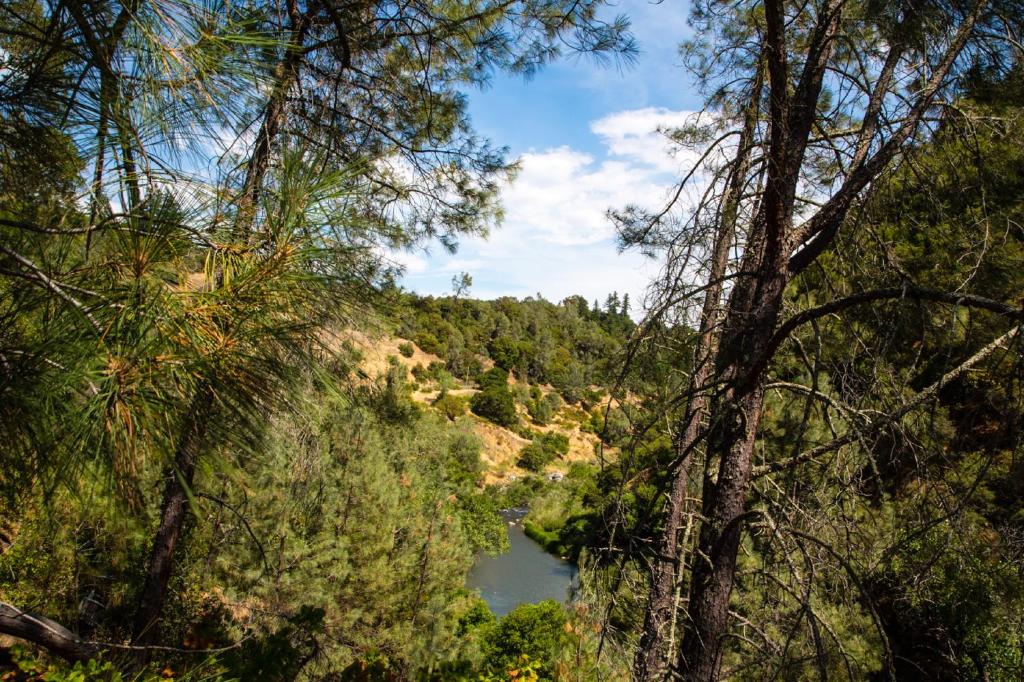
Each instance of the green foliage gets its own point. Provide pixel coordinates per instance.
(518, 493)
(537, 631)
(32, 667)
(435, 373)
(482, 524)
(497, 405)
(406, 349)
(495, 401)
(462, 465)
(392, 509)
(392, 396)
(165, 306)
(543, 450)
(562, 513)
(548, 540)
(612, 425)
(566, 344)
(543, 407)
(492, 378)
(451, 406)
(280, 655)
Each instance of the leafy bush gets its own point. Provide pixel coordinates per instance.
(496, 405)
(464, 364)
(613, 430)
(521, 392)
(28, 666)
(505, 352)
(543, 450)
(281, 654)
(429, 343)
(406, 349)
(534, 457)
(556, 442)
(550, 541)
(589, 398)
(434, 372)
(518, 493)
(482, 524)
(534, 630)
(495, 401)
(451, 406)
(392, 396)
(539, 411)
(493, 378)
(437, 372)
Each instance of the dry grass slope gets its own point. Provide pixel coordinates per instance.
(500, 445)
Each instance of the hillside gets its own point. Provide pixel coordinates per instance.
(501, 445)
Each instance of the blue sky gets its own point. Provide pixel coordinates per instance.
(585, 134)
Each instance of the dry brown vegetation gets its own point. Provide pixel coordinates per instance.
(500, 446)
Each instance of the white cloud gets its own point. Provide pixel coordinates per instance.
(556, 238)
(637, 135)
(561, 195)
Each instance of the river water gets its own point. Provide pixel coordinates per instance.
(525, 573)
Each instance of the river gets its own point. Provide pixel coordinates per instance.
(525, 573)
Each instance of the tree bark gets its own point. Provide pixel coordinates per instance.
(752, 316)
(732, 446)
(46, 633)
(172, 518)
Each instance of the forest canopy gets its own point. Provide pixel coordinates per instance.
(233, 446)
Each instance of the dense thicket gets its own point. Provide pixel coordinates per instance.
(571, 345)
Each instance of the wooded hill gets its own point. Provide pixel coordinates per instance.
(489, 361)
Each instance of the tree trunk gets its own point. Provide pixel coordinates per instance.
(667, 564)
(774, 253)
(738, 417)
(172, 518)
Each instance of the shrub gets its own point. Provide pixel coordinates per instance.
(614, 430)
(549, 540)
(589, 398)
(406, 349)
(495, 404)
(451, 406)
(435, 372)
(464, 365)
(554, 401)
(429, 343)
(534, 457)
(534, 630)
(543, 450)
(441, 375)
(556, 442)
(392, 396)
(540, 409)
(521, 393)
(493, 378)
(505, 352)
